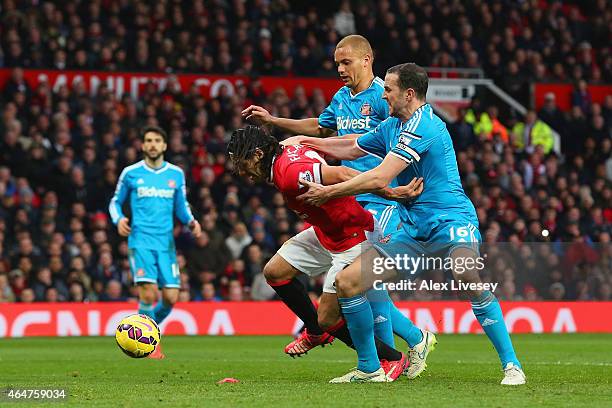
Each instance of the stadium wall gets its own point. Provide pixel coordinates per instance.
(273, 318)
(563, 94)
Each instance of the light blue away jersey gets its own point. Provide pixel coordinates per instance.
(348, 114)
(155, 196)
(424, 142)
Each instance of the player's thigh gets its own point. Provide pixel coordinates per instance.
(341, 261)
(399, 256)
(462, 245)
(304, 253)
(360, 276)
(168, 273)
(328, 311)
(143, 265)
(467, 265)
(278, 269)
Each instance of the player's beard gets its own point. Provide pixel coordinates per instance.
(153, 156)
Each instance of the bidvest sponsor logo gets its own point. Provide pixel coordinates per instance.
(343, 123)
(155, 192)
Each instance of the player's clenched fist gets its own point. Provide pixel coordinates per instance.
(123, 226)
(257, 114)
(195, 228)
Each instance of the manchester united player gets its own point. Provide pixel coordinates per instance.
(339, 233)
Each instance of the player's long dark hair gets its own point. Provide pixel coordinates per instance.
(245, 141)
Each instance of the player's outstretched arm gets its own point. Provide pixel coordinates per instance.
(339, 147)
(338, 174)
(372, 180)
(309, 127)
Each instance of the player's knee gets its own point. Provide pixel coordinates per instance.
(269, 272)
(171, 298)
(347, 284)
(273, 272)
(148, 295)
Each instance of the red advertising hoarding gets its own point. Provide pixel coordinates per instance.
(563, 94)
(273, 318)
(134, 83)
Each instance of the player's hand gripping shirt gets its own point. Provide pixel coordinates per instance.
(155, 196)
(349, 114)
(340, 224)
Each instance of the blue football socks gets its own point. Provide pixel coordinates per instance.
(146, 309)
(380, 304)
(489, 314)
(358, 315)
(161, 311)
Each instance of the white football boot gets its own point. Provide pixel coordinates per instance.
(359, 376)
(513, 375)
(418, 355)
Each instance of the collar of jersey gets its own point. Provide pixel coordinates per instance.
(359, 93)
(416, 112)
(156, 171)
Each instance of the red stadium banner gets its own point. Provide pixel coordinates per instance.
(134, 83)
(563, 94)
(273, 318)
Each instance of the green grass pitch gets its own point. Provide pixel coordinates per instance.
(562, 370)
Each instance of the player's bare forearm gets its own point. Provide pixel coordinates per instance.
(319, 194)
(340, 147)
(308, 127)
(368, 182)
(338, 174)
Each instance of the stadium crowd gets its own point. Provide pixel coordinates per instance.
(546, 218)
(514, 42)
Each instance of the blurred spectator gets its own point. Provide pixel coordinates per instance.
(204, 257)
(260, 290)
(462, 132)
(44, 281)
(581, 97)
(557, 291)
(6, 293)
(551, 114)
(533, 132)
(208, 293)
(27, 296)
(113, 292)
(344, 20)
(235, 293)
(238, 239)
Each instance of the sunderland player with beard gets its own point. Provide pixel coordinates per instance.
(156, 192)
(356, 108)
(339, 233)
(441, 222)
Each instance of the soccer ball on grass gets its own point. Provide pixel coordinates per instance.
(137, 335)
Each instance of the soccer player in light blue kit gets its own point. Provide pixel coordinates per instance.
(440, 222)
(156, 192)
(356, 108)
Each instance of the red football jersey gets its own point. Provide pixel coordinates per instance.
(340, 224)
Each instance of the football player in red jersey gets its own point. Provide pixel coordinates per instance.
(340, 232)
